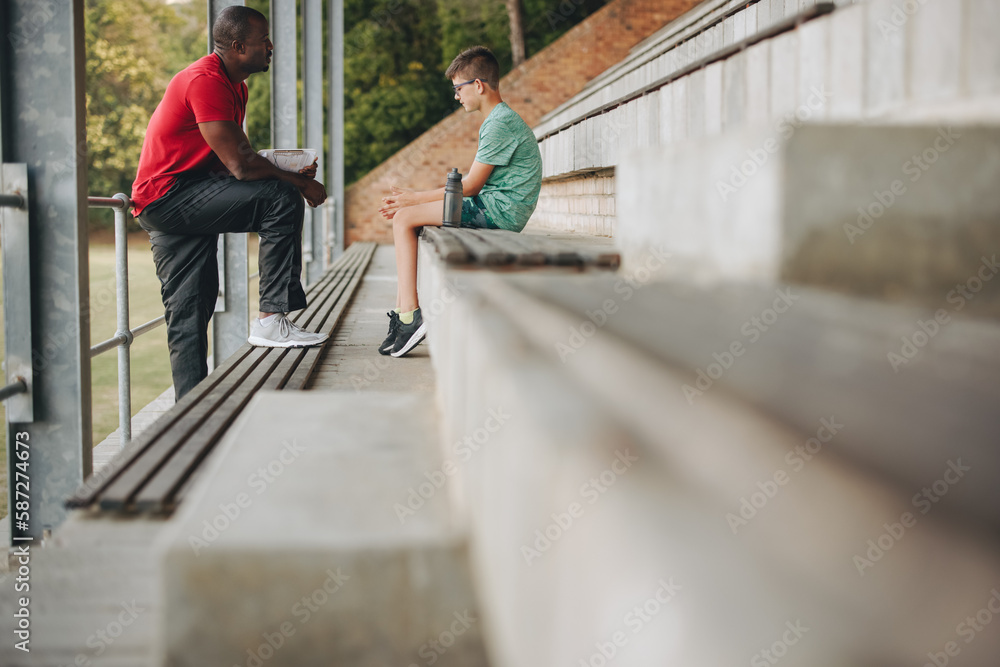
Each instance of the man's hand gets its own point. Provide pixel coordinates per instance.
(313, 191)
(310, 171)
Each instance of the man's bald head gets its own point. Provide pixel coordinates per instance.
(234, 24)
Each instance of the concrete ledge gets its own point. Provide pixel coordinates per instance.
(601, 472)
(883, 211)
(299, 547)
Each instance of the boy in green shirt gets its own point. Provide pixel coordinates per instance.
(500, 189)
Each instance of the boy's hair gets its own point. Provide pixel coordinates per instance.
(476, 63)
(233, 25)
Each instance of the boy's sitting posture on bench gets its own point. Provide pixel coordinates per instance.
(500, 190)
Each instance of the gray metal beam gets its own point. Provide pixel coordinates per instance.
(230, 325)
(16, 247)
(335, 182)
(314, 234)
(284, 76)
(43, 104)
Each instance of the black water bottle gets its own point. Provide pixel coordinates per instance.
(453, 199)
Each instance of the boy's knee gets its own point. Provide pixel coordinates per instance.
(403, 219)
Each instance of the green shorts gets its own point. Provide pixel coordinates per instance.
(474, 214)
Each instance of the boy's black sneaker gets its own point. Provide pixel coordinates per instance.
(409, 335)
(390, 340)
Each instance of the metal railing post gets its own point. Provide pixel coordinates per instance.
(124, 331)
(313, 232)
(335, 184)
(230, 324)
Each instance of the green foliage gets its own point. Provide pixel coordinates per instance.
(395, 55)
(133, 47)
(259, 91)
(394, 86)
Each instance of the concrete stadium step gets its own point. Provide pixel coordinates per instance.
(621, 483)
(910, 391)
(324, 520)
(885, 211)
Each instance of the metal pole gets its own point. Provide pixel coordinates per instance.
(230, 325)
(284, 76)
(124, 330)
(312, 114)
(335, 185)
(42, 93)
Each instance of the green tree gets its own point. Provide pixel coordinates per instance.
(394, 86)
(133, 48)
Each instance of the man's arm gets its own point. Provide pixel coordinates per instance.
(230, 143)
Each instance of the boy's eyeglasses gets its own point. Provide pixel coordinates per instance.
(466, 83)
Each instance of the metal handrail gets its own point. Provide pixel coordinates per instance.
(124, 336)
(19, 386)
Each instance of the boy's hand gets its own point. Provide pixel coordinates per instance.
(400, 198)
(310, 171)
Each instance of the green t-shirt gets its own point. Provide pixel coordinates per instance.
(511, 191)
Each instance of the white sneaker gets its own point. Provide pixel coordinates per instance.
(282, 332)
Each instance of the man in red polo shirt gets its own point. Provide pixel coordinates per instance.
(198, 177)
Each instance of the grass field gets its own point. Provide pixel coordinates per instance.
(150, 361)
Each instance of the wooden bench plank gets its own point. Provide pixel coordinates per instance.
(161, 463)
(310, 356)
(525, 254)
(118, 494)
(499, 247)
(483, 251)
(157, 494)
(88, 492)
(447, 245)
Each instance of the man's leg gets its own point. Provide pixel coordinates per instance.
(404, 236)
(189, 284)
(183, 227)
(219, 204)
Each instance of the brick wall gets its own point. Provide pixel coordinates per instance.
(584, 205)
(536, 87)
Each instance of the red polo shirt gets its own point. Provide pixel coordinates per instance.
(200, 93)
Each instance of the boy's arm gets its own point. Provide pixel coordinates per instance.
(472, 184)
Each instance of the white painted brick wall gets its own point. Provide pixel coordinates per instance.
(847, 62)
(935, 40)
(982, 56)
(713, 98)
(814, 73)
(885, 63)
(875, 59)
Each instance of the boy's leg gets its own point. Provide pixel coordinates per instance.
(404, 235)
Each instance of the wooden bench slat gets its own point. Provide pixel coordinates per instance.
(524, 253)
(87, 493)
(163, 460)
(311, 355)
(156, 495)
(312, 317)
(447, 244)
(484, 251)
(499, 247)
(119, 493)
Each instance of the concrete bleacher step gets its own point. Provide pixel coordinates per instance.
(885, 211)
(324, 520)
(910, 392)
(832, 564)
